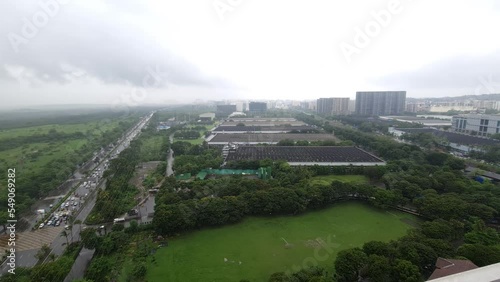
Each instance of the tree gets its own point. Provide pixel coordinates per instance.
(43, 252)
(285, 142)
(139, 270)
(90, 239)
(481, 234)
(403, 270)
(438, 229)
(378, 268)
(379, 248)
(52, 257)
(349, 263)
(437, 159)
(455, 163)
(480, 255)
(99, 269)
(134, 227)
(418, 254)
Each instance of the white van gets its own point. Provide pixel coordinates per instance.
(119, 220)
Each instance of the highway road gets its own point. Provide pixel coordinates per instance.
(85, 203)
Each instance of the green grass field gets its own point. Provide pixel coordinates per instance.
(258, 243)
(327, 179)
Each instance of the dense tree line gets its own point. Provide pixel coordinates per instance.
(117, 197)
(187, 134)
(490, 154)
(191, 158)
(110, 247)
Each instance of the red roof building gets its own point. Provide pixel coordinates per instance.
(445, 267)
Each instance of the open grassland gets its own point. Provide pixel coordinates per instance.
(34, 156)
(327, 179)
(258, 247)
(96, 127)
(152, 148)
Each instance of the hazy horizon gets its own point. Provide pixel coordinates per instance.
(171, 52)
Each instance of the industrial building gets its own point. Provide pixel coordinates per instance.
(306, 155)
(476, 124)
(207, 117)
(262, 122)
(380, 103)
(265, 129)
(225, 110)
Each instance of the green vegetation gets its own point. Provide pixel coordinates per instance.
(55, 269)
(46, 154)
(267, 245)
(119, 195)
(244, 219)
(193, 134)
(328, 179)
(190, 158)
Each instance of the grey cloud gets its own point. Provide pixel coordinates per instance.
(104, 47)
(457, 72)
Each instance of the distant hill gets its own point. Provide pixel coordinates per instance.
(465, 97)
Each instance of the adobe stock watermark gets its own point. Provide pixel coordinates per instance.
(222, 7)
(153, 78)
(48, 9)
(487, 86)
(322, 252)
(363, 36)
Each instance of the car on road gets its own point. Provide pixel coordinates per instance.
(66, 227)
(66, 205)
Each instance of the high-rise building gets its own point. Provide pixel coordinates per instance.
(257, 107)
(332, 106)
(379, 103)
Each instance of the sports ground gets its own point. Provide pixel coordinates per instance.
(258, 247)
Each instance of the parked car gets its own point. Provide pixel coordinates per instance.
(41, 225)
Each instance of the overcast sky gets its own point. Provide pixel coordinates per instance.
(131, 52)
